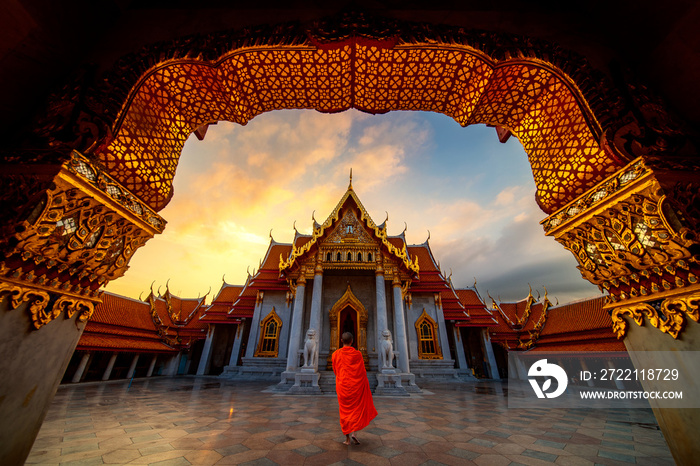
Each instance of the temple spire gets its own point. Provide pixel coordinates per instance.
(350, 185)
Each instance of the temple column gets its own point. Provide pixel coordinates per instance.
(173, 365)
(381, 301)
(204, 360)
(81, 368)
(297, 321)
(648, 212)
(490, 357)
(400, 326)
(110, 366)
(236, 350)
(132, 367)
(442, 330)
(152, 366)
(254, 326)
(316, 319)
(459, 346)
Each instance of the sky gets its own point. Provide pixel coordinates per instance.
(475, 195)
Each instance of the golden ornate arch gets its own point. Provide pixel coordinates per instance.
(348, 300)
(531, 98)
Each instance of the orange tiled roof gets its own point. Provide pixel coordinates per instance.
(122, 311)
(578, 316)
(101, 342)
(124, 324)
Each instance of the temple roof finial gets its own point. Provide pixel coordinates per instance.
(350, 185)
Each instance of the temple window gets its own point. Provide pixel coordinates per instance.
(338, 258)
(328, 257)
(268, 345)
(428, 347)
(369, 257)
(349, 256)
(359, 257)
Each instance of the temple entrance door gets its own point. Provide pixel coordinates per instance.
(348, 315)
(347, 322)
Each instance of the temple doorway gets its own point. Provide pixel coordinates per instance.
(348, 315)
(347, 323)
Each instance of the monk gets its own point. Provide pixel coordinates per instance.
(354, 398)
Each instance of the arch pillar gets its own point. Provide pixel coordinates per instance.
(635, 235)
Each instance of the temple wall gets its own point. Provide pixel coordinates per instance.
(32, 366)
(277, 300)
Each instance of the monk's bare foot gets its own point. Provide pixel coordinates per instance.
(355, 441)
(347, 440)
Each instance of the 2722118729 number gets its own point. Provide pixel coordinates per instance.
(638, 374)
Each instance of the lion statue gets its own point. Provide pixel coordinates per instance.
(310, 349)
(386, 350)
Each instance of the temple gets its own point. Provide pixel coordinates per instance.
(285, 321)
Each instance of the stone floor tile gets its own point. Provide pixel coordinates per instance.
(492, 460)
(449, 424)
(616, 456)
(120, 456)
(203, 457)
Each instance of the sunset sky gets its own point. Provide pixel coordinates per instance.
(474, 194)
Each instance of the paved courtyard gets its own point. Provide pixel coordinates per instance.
(205, 420)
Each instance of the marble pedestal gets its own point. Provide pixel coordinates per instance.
(389, 383)
(305, 383)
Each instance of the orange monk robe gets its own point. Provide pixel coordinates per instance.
(354, 398)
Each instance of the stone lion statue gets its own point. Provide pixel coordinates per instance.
(386, 350)
(310, 349)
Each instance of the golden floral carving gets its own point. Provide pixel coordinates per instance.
(669, 315)
(633, 234)
(40, 308)
(80, 235)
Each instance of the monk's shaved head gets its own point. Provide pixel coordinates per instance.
(347, 338)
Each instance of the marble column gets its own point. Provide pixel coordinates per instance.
(459, 346)
(110, 366)
(442, 331)
(152, 365)
(316, 320)
(203, 366)
(173, 365)
(297, 321)
(490, 357)
(81, 368)
(132, 367)
(400, 326)
(381, 301)
(254, 327)
(236, 350)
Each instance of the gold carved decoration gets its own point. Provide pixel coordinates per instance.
(41, 310)
(633, 235)
(668, 315)
(365, 223)
(635, 240)
(348, 300)
(470, 76)
(79, 237)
